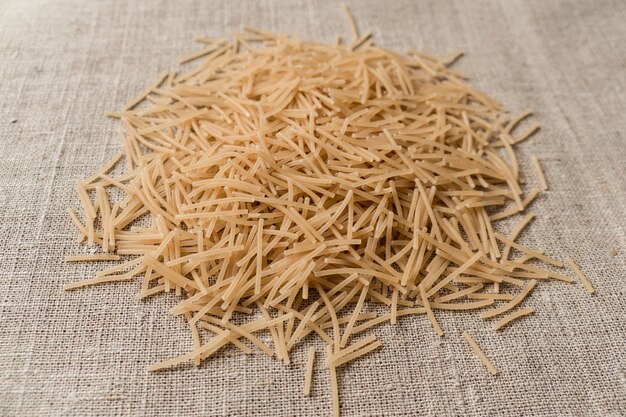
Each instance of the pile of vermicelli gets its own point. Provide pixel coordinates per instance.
(292, 182)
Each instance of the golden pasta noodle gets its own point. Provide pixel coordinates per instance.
(309, 371)
(583, 279)
(479, 352)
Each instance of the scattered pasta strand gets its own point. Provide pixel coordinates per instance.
(583, 279)
(334, 386)
(83, 258)
(511, 304)
(513, 316)
(309, 371)
(540, 174)
(98, 280)
(351, 21)
(479, 352)
(430, 314)
(141, 96)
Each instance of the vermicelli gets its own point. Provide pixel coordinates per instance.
(481, 355)
(284, 186)
(513, 316)
(583, 279)
(309, 371)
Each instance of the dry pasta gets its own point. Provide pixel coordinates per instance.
(282, 185)
(479, 352)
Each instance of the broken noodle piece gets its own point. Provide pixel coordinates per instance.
(479, 352)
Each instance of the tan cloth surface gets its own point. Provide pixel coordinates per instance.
(84, 353)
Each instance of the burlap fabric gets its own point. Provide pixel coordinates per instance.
(85, 353)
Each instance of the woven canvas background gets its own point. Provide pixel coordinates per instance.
(84, 353)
